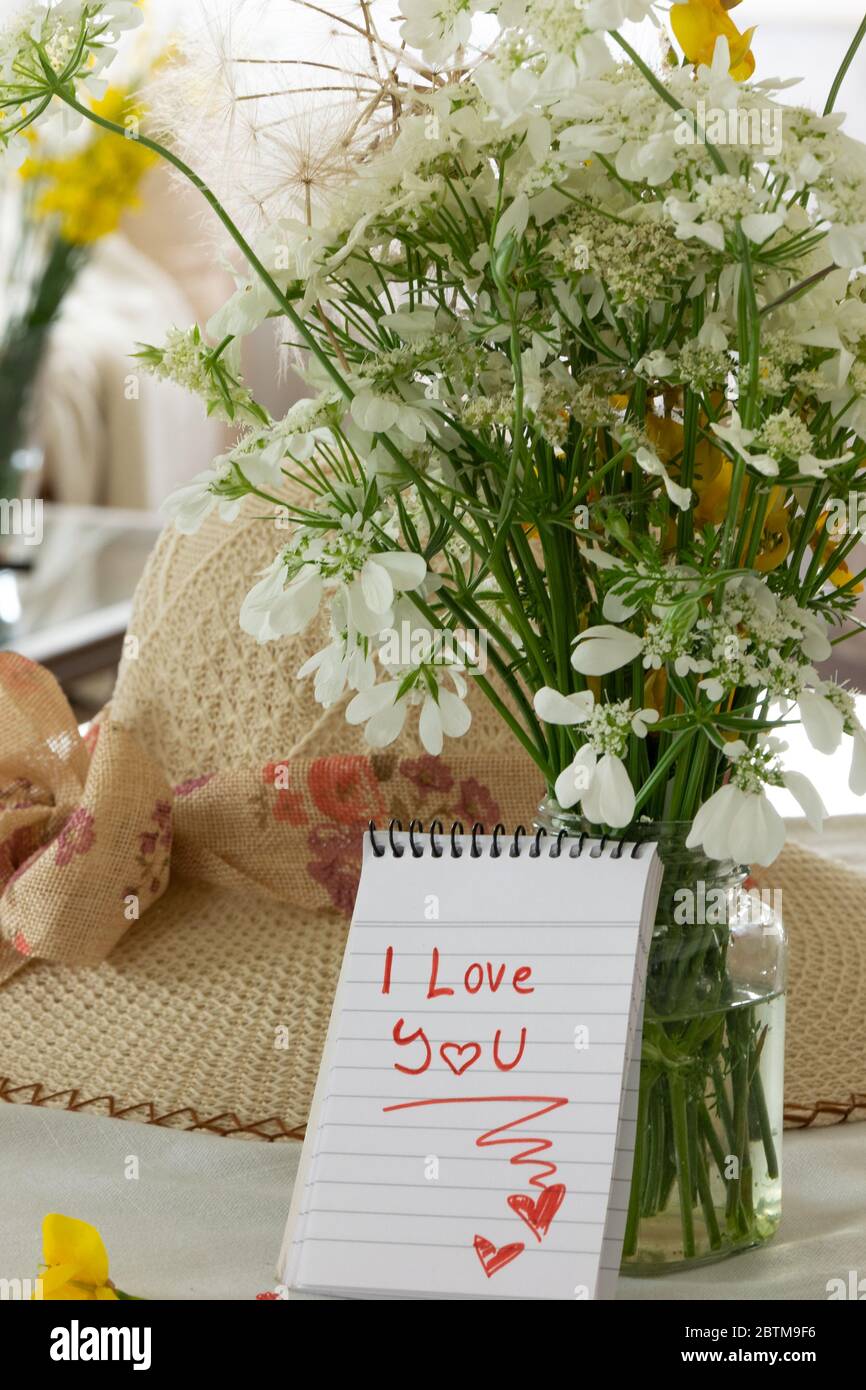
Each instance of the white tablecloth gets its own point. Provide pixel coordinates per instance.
(205, 1216)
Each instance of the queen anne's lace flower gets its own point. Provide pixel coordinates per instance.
(347, 660)
(717, 206)
(779, 438)
(190, 505)
(379, 411)
(843, 700)
(187, 360)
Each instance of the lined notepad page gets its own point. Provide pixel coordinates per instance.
(473, 1126)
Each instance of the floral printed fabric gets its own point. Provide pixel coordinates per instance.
(91, 831)
(85, 826)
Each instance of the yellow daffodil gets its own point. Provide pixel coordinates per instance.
(713, 475)
(712, 483)
(775, 537)
(841, 574)
(698, 23)
(712, 470)
(654, 691)
(76, 1262)
(89, 191)
(665, 434)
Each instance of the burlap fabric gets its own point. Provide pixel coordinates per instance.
(176, 888)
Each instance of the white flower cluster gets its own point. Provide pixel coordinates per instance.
(74, 39)
(366, 577)
(366, 586)
(782, 437)
(597, 777)
(190, 362)
(738, 822)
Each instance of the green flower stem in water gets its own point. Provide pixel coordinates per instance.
(706, 1168)
(681, 1146)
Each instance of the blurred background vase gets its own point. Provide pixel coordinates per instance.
(21, 354)
(57, 205)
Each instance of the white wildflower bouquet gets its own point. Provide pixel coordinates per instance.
(585, 382)
(585, 344)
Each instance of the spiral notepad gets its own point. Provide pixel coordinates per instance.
(472, 1130)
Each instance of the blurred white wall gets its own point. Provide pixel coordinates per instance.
(808, 39)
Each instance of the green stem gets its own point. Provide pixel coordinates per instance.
(711, 1138)
(498, 704)
(661, 90)
(723, 1107)
(706, 1196)
(681, 1149)
(657, 776)
(656, 1138)
(844, 66)
(632, 1224)
(765, 1126)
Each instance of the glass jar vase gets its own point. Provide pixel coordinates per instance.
(707, 1170)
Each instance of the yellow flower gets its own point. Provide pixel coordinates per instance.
(654, 690)
(775, 537)
(89, 191)
(76, 1261)
(712, 483)
(665, 434)
(698, 23)
(712, 470)
(841, 575)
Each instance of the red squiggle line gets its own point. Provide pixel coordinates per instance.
(488, 1140)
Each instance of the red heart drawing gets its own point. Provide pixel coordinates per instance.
(538, 1215)
(493, 1259)
(458, 1049)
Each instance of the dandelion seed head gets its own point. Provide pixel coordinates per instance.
(274, 104)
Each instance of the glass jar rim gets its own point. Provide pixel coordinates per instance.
(669, 835)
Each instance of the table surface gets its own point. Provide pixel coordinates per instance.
(79, 588)
(204, 1216)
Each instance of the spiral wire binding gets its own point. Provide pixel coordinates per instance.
(437, 833)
